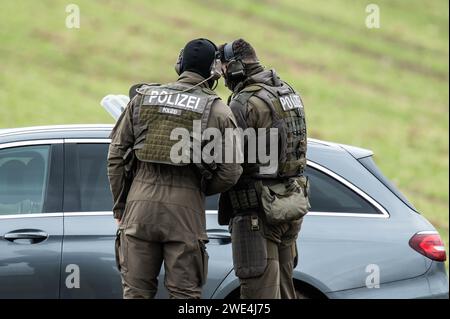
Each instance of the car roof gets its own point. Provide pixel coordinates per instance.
(56, 132)
(102, 131)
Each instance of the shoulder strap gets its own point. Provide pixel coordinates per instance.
(207, 111)
(267, 94)
(145, 86)
(238, 105)
(209, 91)
(139, 131)
(245, 94)
(251, 88)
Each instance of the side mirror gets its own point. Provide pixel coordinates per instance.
(115, 104)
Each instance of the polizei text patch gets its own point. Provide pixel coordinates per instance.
(291, 101)
(166, 98)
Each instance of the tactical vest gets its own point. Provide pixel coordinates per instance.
(162, 109)
(288, 116)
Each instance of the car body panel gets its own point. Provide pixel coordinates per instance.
(433, 284)
(336, 251)
(91, 249)
(31, 270)
(30, 262)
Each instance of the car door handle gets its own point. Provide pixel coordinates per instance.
(221, 236)
(31, 236)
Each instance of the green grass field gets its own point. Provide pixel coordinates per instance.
(384, 89)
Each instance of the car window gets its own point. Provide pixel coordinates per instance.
(212, 202)
(329, 195)
(370, 165)
(95, 194)
(24, 173)
(87, 165)
(326, 195)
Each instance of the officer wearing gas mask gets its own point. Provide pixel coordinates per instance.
(265, 208)
(159, 203)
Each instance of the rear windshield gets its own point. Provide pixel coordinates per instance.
(370, 165)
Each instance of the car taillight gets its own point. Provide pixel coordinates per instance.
(429, 244)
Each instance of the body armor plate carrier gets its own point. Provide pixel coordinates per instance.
(288, 117)
(162, 109)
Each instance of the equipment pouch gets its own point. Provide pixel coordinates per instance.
(117, 248)
(284, 201)
(249, 247)
(203, 262)
(120, 250)
(129, 161)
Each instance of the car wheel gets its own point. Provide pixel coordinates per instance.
(300, 294)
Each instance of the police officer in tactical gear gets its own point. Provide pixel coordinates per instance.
(160, 204)
(265, 210)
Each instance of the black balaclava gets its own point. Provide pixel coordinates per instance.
(198, 56)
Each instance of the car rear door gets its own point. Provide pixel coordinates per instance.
(88, 260)
(31, 221)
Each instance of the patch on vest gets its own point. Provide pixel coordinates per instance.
(167, 98)
(290, 102)
(169, 110)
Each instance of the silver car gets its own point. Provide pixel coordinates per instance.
(362, 238)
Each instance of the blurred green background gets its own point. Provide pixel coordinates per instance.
(384, 89)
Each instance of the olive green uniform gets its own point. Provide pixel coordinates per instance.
(163, 214)
(264, 254)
